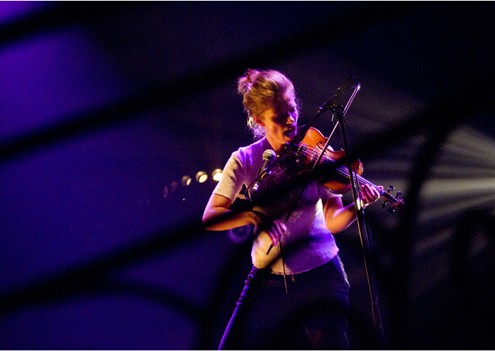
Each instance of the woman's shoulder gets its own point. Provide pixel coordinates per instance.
(251, 151)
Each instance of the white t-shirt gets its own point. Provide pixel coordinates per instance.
(305, 227)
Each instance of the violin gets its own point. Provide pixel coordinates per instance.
(331, 172)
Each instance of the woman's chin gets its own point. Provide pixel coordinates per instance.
(289, 136)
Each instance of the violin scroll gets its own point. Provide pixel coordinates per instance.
(396, 202)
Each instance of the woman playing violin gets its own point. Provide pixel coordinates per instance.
(296, 295)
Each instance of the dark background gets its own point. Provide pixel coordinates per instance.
(105, 106)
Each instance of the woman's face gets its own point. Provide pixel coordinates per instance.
(279, 122)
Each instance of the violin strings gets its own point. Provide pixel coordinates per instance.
(344, 171)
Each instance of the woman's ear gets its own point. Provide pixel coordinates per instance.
(258, 120)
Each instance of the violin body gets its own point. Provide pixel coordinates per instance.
(329, 177)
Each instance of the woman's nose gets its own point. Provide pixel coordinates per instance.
(290, 120)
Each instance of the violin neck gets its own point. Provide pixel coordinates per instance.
(386, 195)
(344, 172)
(362, 181)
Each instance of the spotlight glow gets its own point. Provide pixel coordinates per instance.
(463, 179)
(201, 177)
(186, 180)
(217, 175)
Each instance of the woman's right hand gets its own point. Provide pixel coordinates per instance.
(276, 231)
(274, 228)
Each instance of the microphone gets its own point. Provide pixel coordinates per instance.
(269, 156)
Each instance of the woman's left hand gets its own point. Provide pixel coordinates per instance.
(370, 194)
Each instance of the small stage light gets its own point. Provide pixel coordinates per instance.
(201, 177)
(165, 192)
(186, 180)
(217, 175)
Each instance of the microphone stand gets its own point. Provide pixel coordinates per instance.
(364, 233)
(363, 229)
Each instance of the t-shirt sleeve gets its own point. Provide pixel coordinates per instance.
(233, 177)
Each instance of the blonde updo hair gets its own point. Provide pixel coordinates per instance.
(259, 89)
